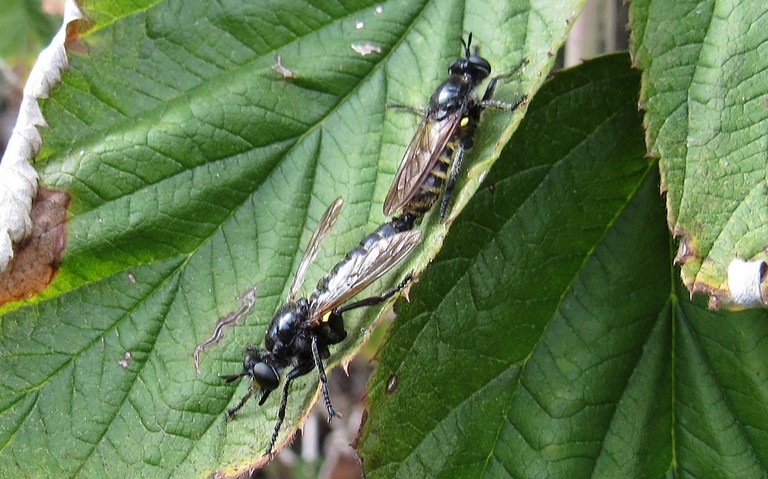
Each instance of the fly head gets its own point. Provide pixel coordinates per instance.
(472, 65)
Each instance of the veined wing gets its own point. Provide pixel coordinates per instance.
(322, 229)
(360, 270)
(425, 148)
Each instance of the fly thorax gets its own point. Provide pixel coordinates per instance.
(449, 96)
(286, 324)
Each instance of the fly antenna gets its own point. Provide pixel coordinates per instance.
(467, 44)
(232, 377)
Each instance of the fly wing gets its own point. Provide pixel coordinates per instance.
(324, 227)
(423, 152)
(359, 271)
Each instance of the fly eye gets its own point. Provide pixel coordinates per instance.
(480, 66)
(265, 375)
(458, 67)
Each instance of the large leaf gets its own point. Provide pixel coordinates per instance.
(551, 337)
(197, 170)
(704, 88)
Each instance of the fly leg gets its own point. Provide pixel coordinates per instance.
(323, 379)
(299, 370)
(487, 101)
(231, 411)
(337, 312)
(412, 109)
(500, 105)
(336, 333)
(251, 390)
(450, 182)
(458, 157)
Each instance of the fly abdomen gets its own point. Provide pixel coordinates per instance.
(359, 252)
(429, 190)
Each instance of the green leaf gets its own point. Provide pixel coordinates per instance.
(103, 12)
(550, 338)
(704, 92)
(197, 170)
(24, 29)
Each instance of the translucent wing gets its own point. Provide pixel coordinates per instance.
(364, 265)
(321, 231)
(425, 148)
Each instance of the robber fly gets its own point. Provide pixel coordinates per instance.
(302, 329)
(446, 131)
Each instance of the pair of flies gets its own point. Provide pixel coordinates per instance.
(301, 331)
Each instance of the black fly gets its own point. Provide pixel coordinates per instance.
(302, 329)
(446, 131)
